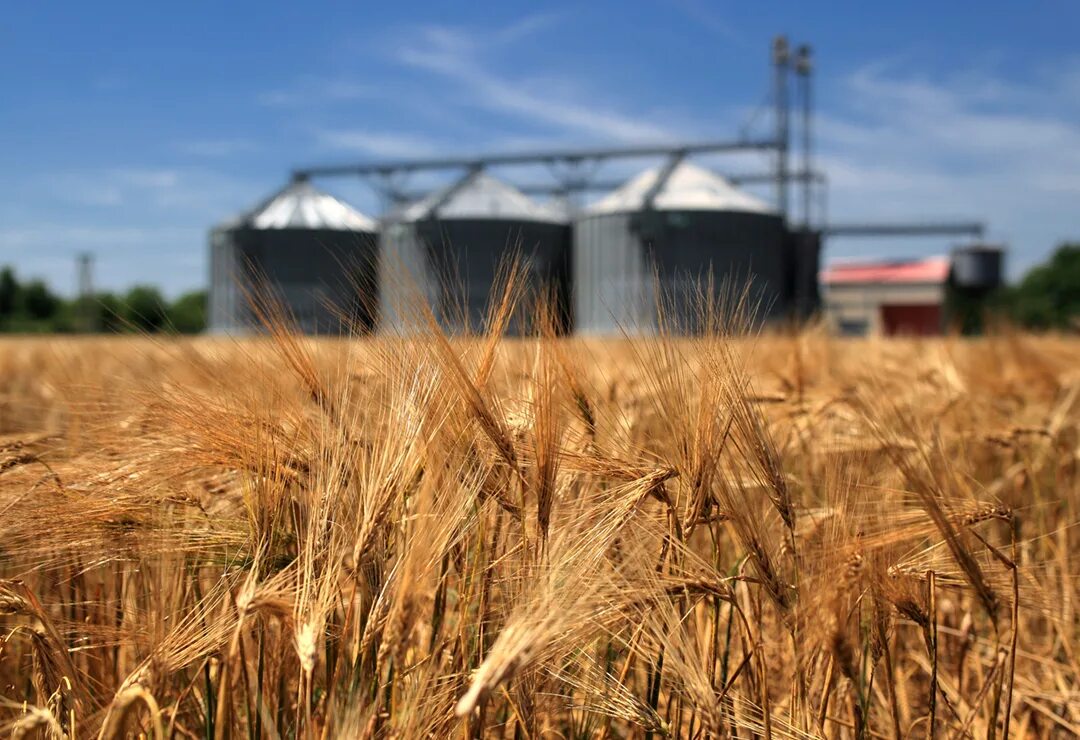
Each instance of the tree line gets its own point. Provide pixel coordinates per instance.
(1046, 298)
(31, 307)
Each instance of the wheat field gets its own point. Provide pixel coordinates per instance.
(782, 535)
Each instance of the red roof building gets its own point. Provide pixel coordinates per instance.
(883, 297)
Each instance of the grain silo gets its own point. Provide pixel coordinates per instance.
(304, 247)
(678, 223)
(448, 247)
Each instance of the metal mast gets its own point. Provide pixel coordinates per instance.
(781, 58)
(803, 69)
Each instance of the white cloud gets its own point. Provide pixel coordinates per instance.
(79, 190)
(166, 192)
(109, 82)
(704, 14)
(973, 146)
(458, 55)
(145, 224)
(215, 147)
(308, 91)
(377, 143)
(530, 25)
(171, 257)
(151, 179)
(33, 237)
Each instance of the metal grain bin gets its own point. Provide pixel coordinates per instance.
(675, 227)
(448, 247)
(304, 247)
(977, 267)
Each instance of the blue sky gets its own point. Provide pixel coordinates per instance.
(128, 129)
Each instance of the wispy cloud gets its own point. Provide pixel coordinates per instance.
(215, 147)
(145, 224)
(309, 91)
(378, 143)
(529, 25)
(89, 236)
(96, 199)
(109, 82)
(974, 146)
(150, 179)
(462, 57)
(77, 189)
(704, 14)
(170, 256)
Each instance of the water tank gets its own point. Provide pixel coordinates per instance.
(447, 249)
(977, 267)
(303, 247)
(674, 229)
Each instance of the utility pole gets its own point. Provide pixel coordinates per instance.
(803, 70)
(85, 267)
(781, 58)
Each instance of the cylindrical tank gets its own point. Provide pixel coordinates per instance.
(687, 234)
(805, 248)
(303, 248)
(447, 249)
(977, 267)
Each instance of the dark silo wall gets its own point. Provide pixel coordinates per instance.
(977, 267)
(455, 262)
(805, 247)
(321, 277)
(621, 258)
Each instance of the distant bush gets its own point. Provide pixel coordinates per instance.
(32, 308)
(1048, 296)
(144, 309)
(188, 312)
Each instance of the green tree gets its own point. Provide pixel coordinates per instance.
(1048, 297)
(188, 312)
(9, 292)
(38, 302)
(110, 313)
(145, 309)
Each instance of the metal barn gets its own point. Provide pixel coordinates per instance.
(304, 247)
(448, 247)
(674, 227)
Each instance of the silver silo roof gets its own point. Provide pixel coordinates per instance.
(300, 205)
(687, 188)
(479, 196)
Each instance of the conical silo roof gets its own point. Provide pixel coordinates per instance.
(481, 197)
(300, 205)
(688, 188)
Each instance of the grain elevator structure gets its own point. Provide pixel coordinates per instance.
(447, 248)
(301, 249)
(673, 234)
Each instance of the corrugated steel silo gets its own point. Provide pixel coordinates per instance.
(448, 247)
(309, 249)
(680, 223)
